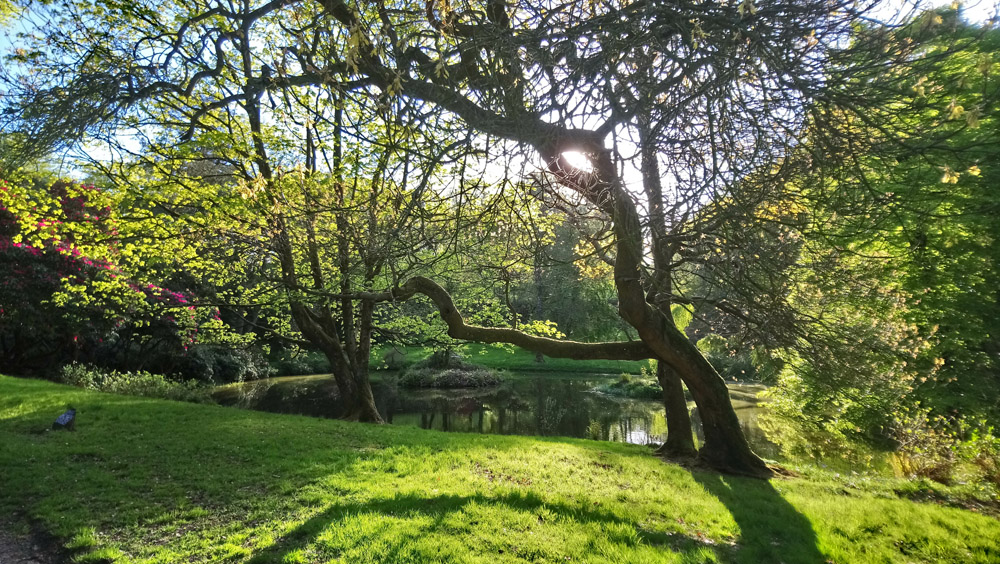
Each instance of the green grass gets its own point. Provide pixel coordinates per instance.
(154, 481)
(515, 359)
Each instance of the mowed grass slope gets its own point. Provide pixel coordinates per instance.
(157, 481)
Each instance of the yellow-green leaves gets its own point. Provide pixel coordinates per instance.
(746, 7)
(949, 176)
(955, 110)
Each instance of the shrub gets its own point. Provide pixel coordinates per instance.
(925, 445)
(221, 365)
(133, 383)
(449, 378)
(300, 363)
(629, 387)
(445, 369)
(981, 448)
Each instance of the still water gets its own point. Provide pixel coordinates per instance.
(525, 404)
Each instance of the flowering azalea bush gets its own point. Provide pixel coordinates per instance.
(64, 295)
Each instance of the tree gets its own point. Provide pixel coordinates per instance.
(688, 116)
(913, 235)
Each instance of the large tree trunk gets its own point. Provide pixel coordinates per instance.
(680, 441)
(362, 407)
(725, 447)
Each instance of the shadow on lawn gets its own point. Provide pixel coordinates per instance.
(438, 508)
(128, 445)
(771, 529)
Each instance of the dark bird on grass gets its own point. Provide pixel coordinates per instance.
(66, 421)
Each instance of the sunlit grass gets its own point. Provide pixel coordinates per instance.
(149, 481)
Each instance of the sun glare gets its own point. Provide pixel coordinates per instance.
(578, 160)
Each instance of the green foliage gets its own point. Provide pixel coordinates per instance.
(133, 384)
(734, 363)
(75, 285)
(514, 359)
(803, 438)
(912, 313)
(982, 448)
(925, 446)
(944, 449)
(221, 365)
(300, 362)
(682, 316)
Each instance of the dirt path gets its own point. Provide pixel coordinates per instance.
(21, 549)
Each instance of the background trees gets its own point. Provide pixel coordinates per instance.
(909, 231)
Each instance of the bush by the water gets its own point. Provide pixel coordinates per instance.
(629, 387)
(133, 383)
(300, 363)
(449, 378)
(943, 448)
(222, 365)
(446, 369)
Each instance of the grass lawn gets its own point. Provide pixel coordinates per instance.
(148, 481)
(516, 359)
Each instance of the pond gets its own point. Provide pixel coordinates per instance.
(525, 404)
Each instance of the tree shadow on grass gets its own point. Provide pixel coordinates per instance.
(438, 508)
(771, 529)
(132, 459)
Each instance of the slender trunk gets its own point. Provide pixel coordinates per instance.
(367, 411)
(680, 441)
(539, 311)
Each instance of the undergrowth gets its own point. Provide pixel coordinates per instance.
(134, 383)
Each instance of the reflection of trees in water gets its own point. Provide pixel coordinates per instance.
(550, 416)
(542, 405)
(315, 396)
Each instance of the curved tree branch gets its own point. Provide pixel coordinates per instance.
(458, 329)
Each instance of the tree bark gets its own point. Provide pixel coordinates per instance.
(680, 441)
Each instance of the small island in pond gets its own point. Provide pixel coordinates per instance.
(446, 369)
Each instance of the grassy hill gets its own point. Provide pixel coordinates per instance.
(145, 480)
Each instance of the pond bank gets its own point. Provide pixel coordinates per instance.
(540, 404)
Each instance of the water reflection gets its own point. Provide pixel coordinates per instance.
(526, 404)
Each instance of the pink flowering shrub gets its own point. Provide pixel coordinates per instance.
(63, 296)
